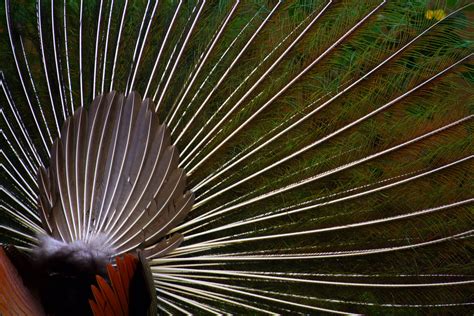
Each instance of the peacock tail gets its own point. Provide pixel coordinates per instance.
(320, 152)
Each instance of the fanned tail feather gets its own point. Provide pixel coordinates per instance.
(287, 156)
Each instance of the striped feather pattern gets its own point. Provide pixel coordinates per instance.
(114, 173)
(328, 144)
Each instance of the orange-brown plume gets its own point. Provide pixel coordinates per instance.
(113, 298)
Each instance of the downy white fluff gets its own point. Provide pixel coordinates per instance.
(80, 251)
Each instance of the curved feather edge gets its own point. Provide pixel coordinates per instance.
(114, 172)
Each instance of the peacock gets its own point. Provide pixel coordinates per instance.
(237, 157)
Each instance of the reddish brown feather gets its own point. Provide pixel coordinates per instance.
(110, 296)
(15, 298)
(114, 277)
(130, 265)
(94, 307)
(121, 265)
(99, 298)
(113, 298)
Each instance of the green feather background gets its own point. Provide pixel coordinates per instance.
(329, 143)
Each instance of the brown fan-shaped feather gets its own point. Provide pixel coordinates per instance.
(113, 172)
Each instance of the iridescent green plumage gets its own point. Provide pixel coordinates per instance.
(329, 143)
